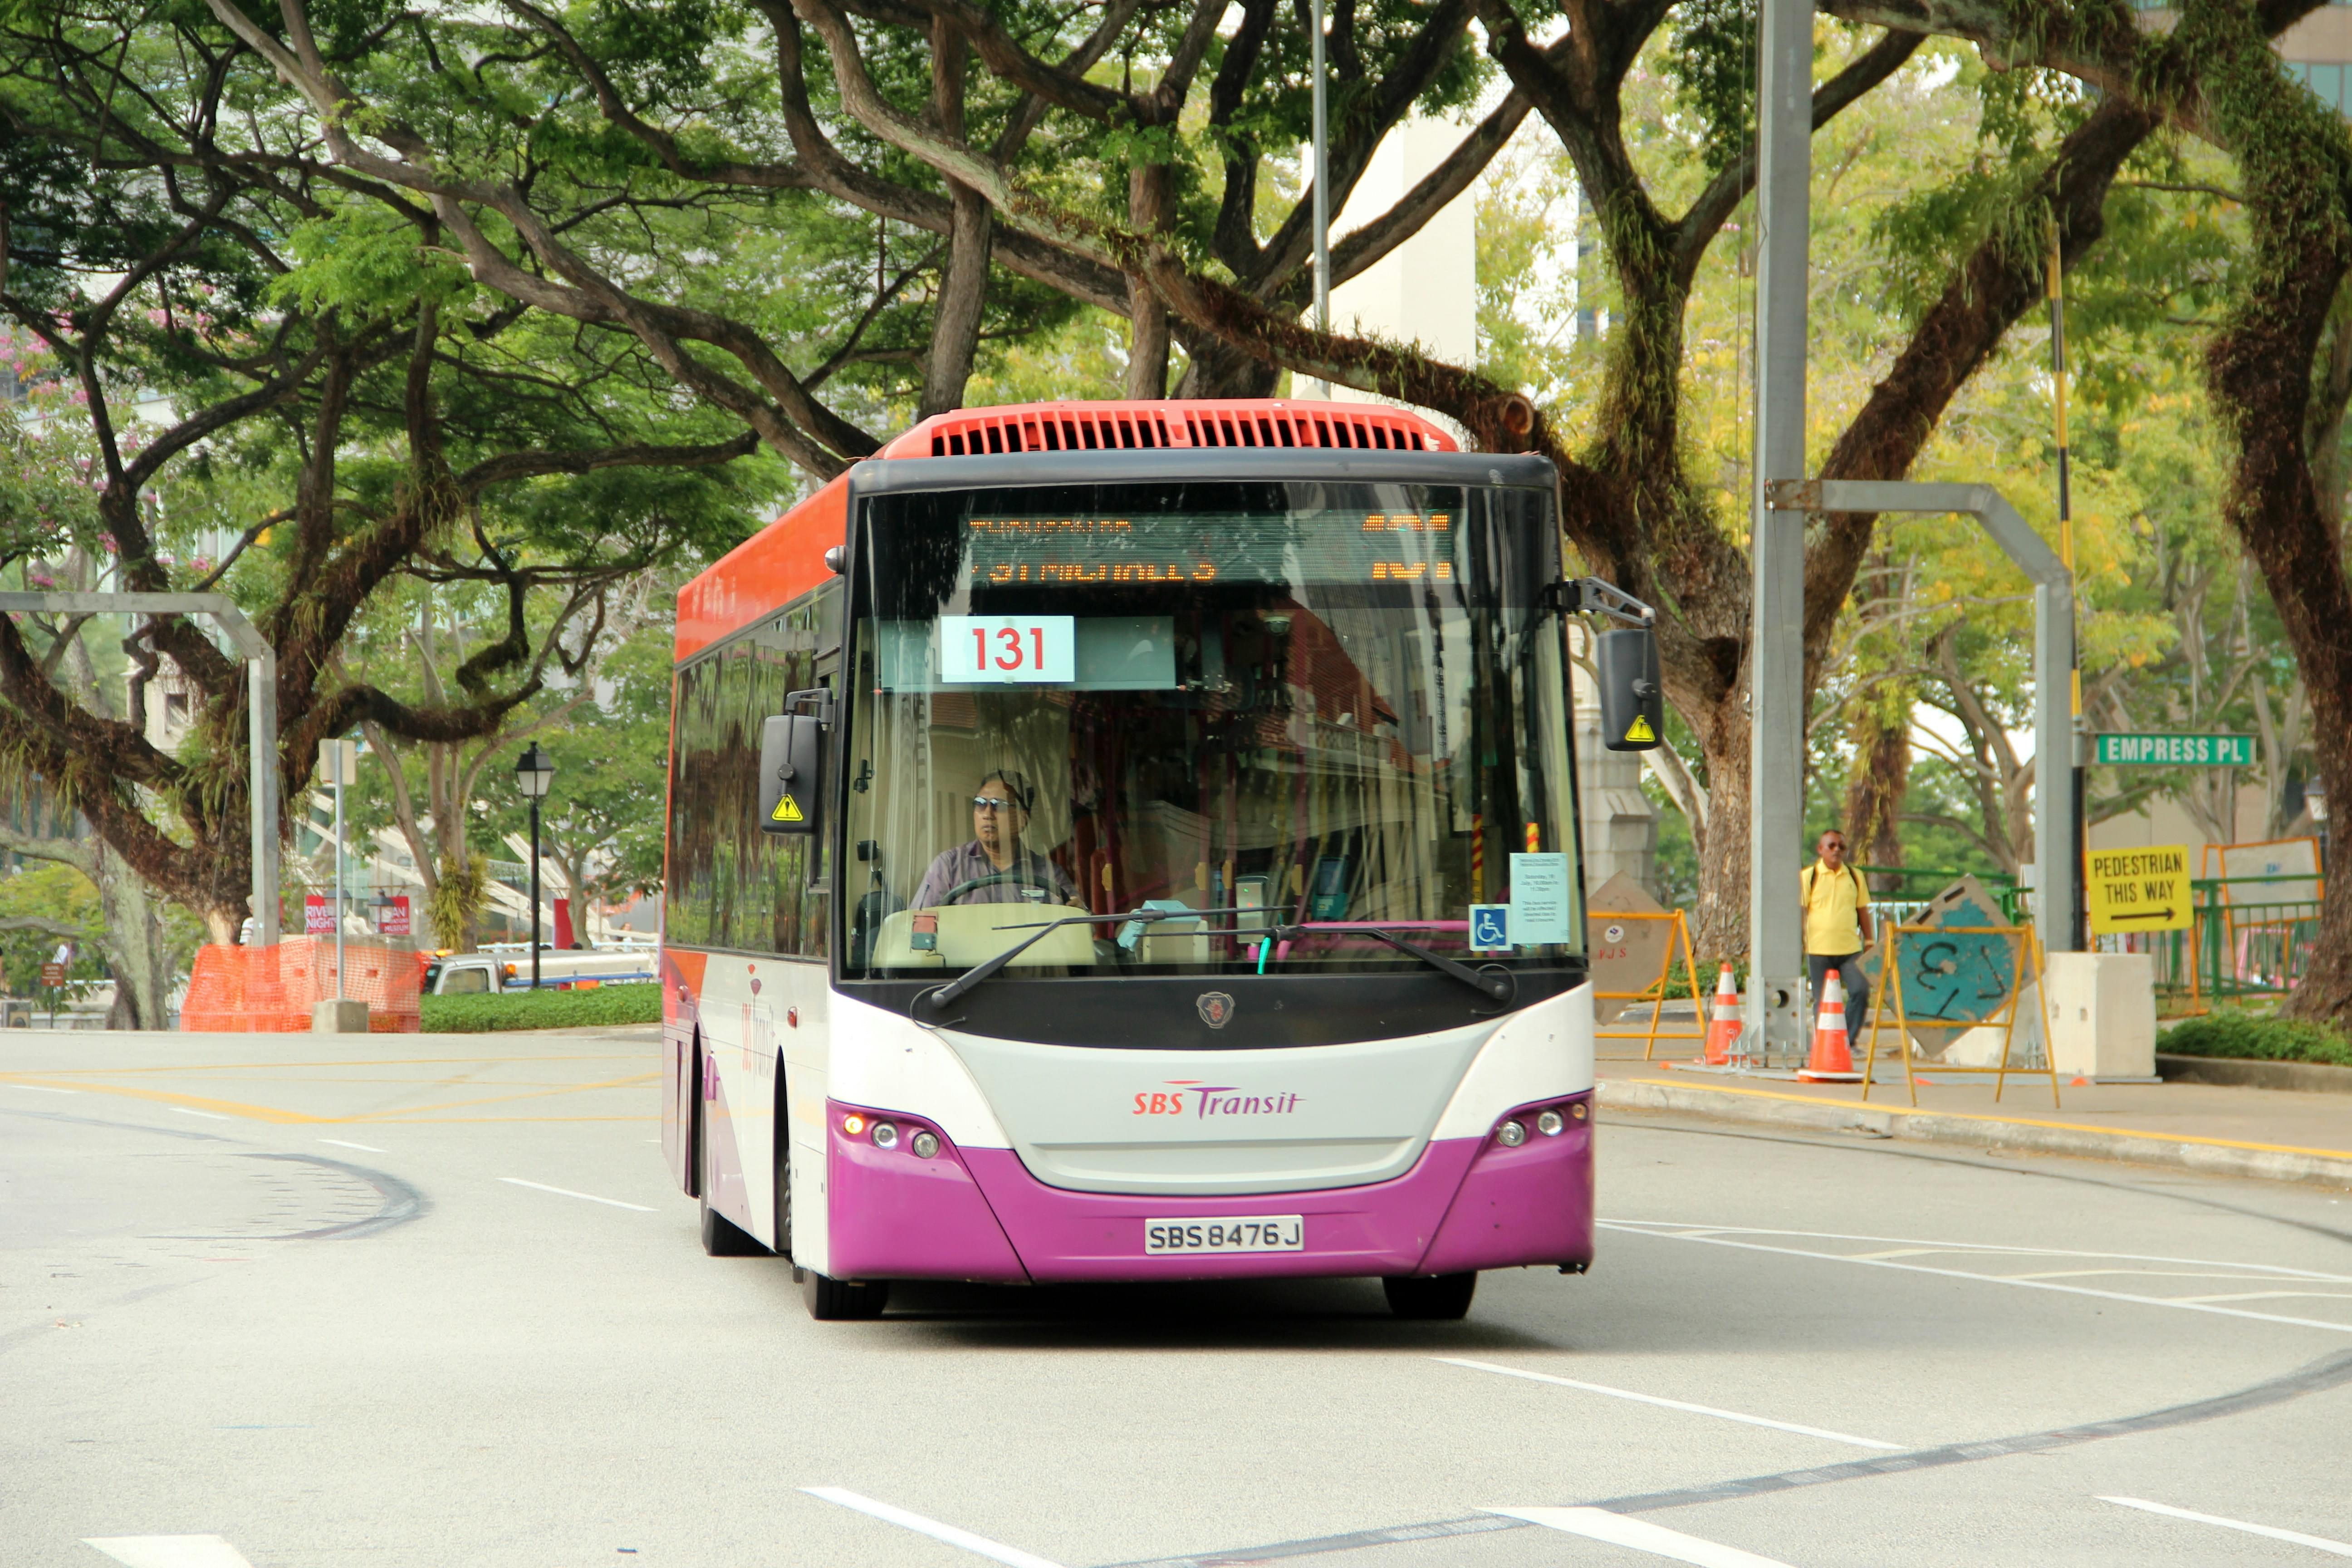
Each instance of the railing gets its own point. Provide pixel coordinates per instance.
(2244, 941)
(1915, 886)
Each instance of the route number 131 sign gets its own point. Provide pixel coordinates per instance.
(977, 648)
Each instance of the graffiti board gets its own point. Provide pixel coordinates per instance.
(1951, 983)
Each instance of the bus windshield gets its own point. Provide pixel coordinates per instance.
(1324, 707)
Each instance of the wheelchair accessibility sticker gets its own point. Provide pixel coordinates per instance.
(1490, 928)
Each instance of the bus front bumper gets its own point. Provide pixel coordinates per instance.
(979, 1215)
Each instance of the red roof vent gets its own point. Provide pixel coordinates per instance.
(1235, 422)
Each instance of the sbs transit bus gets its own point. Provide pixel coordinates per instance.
(1137, 841)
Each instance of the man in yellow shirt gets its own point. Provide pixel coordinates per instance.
(1837, 928)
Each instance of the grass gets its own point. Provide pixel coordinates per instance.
(2257, 1037)
(603, 1008)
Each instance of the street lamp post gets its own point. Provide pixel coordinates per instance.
(534, 771)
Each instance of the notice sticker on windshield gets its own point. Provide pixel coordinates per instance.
(975, 648)
(1539, 898)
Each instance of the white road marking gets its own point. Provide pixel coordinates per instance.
(1673, 1404)
(347, 1143)
(995, 1550)
(42, 1089)
(170, 1551)
(2318, 1543)
(2185, 1305)
(1622, 1530)
(1672, 1226)
(568, 1193)
(208, 1115)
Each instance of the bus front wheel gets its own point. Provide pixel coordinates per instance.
(1430, 1297)
(833, 1300)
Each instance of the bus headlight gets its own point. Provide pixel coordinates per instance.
(886, 1135)
(852, 1124)
(1550, 1125)
(1511, 1134)
(1579, 1111)
(925, 1144)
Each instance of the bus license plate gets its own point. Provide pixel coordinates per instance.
(1247, 1233)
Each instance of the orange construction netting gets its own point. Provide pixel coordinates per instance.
(273, 990)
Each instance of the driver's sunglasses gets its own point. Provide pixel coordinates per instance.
(990, 803)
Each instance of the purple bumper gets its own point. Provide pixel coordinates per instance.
(978, 1214)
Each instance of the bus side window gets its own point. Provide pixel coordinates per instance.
(472, 979)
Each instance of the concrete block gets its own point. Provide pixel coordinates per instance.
(346, 1017)
(2101, 1012)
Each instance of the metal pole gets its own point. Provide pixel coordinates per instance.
(262, 687)
(1776, 669)
(1322, 194)
(2077, 917)
(534, 892)
(338, 870)
(2057, 860)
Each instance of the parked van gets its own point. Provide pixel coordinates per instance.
(479, 973)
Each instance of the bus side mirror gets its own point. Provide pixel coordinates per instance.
(1632, 700)
(792, 764)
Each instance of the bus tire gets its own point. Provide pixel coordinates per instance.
(721, 1237)
(1429, 1298)
(833, 1300)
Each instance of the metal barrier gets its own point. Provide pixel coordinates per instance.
(2240, 944)
(1914, 889)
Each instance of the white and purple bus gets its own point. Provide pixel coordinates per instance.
(1137, 841)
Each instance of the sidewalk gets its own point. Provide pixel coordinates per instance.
(2275, 1134)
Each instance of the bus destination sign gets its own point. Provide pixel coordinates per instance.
(1349, 547)
(2174, 751)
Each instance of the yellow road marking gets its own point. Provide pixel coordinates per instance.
(2002, 1120)
(501, 1099)
(387, 1062)
(193, 1101)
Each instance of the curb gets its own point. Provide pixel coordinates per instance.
(2303, 1078)
(2215, 1157)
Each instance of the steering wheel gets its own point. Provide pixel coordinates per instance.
(974, 884)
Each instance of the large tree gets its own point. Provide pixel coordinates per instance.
(255, 343)
(1130, 158)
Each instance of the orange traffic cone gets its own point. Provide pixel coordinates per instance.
(1723, 1029)
(1831, 1061)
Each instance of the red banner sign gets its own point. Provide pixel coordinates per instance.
(318, 915)
(396, 916)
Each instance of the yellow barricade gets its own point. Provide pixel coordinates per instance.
(1654, 994)
(2029, 955)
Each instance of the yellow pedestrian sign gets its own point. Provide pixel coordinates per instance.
(1642, 732)
(787, 810)
(2138, 889)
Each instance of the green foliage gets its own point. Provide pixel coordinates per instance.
(2253, 1036)
(1710, 57)
(60, 894)
(456, 901)
(605, 1006)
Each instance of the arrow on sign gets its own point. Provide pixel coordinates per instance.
(2164, 914)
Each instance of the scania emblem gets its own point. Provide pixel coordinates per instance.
(1216, 1008)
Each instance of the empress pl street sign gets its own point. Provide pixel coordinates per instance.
(2174, 751)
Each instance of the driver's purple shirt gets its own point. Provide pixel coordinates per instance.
(968, 861)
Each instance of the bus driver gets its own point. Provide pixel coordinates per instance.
(1000, 810)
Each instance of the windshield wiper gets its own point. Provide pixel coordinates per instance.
(939, 996)
(1496, 982)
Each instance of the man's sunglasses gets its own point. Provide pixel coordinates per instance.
(992, 803)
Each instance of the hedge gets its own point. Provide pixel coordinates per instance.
(2258, 1037)
(602, 1007)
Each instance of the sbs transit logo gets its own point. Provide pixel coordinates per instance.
(1202, 1101)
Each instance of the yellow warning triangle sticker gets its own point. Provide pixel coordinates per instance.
(1640, 730)
(787, 810)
